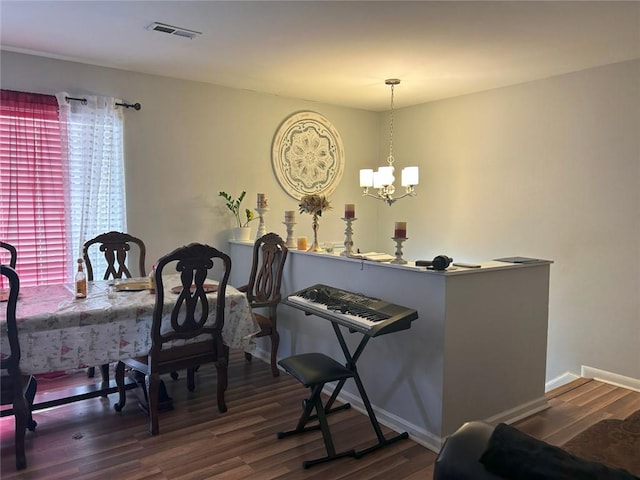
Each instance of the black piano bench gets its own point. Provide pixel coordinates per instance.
(313, 370)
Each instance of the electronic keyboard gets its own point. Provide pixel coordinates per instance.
(355, 311)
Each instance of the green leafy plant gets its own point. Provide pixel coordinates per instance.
(233, 204)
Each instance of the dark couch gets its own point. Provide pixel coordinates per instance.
(479, 451)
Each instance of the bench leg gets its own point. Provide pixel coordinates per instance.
(315, 402)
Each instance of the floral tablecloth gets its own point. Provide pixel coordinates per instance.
(59, 332)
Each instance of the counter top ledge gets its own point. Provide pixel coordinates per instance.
(491, 265)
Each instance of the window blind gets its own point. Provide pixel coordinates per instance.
(32, 192)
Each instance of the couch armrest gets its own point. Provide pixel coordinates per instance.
(459, 458)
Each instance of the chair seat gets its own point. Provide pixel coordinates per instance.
(315, 368)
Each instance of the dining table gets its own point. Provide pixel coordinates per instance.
(59, 332)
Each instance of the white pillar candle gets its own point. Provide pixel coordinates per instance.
(289, 216)
(262, 200)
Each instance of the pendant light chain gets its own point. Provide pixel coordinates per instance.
(391, 159)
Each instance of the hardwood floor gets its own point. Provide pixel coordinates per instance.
(88, 440)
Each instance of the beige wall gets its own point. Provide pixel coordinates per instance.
(190, 140)
(547, 169)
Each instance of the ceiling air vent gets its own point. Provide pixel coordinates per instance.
(171, 30)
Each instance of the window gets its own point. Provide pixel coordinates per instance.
(61, 180)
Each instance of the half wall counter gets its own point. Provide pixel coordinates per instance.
(477, 350)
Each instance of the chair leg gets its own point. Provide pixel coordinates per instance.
(122, 394)
(191, 379)
(21, 413)
(222, 367)
(104, 370)
(154, 389)
(275, 342)
(30, 394)
(248, 357)
(91, 372)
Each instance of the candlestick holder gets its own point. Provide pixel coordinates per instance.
(398, 260)
(348, 233)
(291, 241)
(262, 230)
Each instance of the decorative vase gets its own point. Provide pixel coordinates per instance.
(315, 247)
(242, 234)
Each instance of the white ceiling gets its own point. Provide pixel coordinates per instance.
(337, 52)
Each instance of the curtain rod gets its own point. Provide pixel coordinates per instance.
(135, 106)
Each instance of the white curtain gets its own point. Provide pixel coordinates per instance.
(96, 171)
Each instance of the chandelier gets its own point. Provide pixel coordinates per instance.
(382, 179)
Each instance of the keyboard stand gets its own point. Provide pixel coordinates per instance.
(351, 365)
(314, 370)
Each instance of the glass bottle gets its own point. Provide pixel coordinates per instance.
(152, 280)
(81, 281)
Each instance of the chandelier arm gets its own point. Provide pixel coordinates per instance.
(408, 193)
(388, 199)
(373, 195)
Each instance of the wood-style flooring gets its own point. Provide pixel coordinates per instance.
(88, 440)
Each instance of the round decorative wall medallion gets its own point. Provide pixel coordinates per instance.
(307, 155)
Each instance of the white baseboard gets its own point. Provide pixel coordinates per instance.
(521, 411)
(563, 379)
(395, 423)
(611, 378)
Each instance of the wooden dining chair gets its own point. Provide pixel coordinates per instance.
(263, 290)
(191, 333)
(14, 387)
(13, 253)
(116, 246)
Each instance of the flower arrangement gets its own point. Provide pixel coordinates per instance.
(314, 204)
(233, 204)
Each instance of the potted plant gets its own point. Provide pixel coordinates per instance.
(242, 232)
